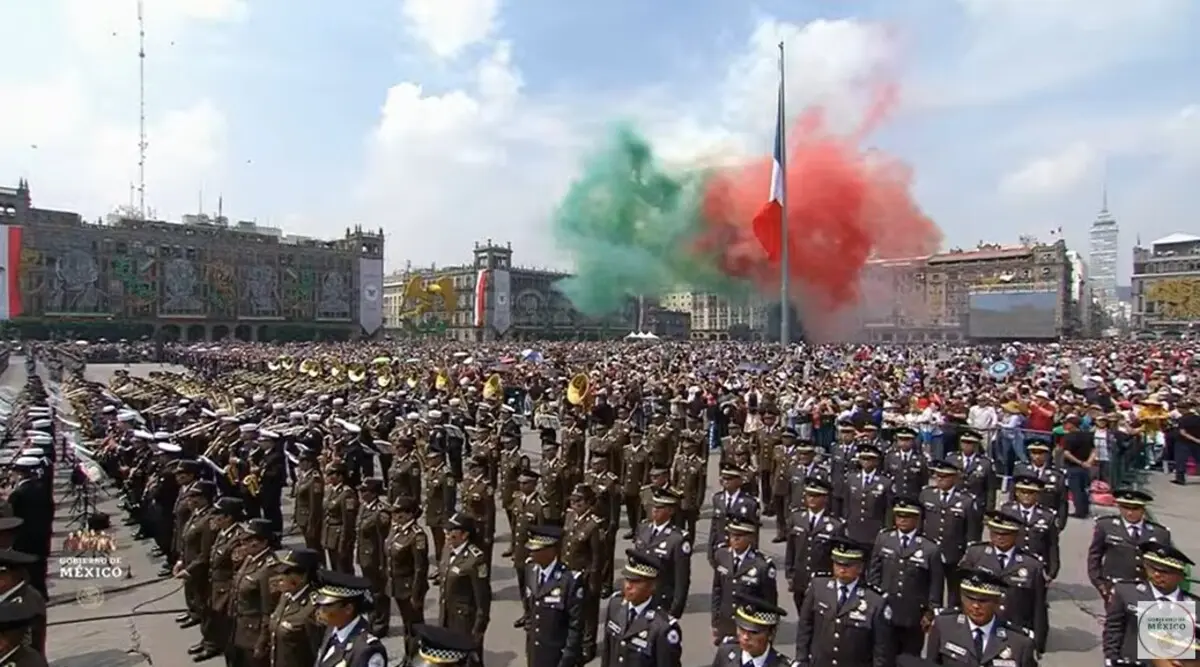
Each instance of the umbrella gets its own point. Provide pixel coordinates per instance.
(532, 356)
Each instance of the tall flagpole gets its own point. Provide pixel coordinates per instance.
(785, 326)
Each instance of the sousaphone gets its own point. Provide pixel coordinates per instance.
(493, 388)
(384, 377)
(577, 390)
(310, 367)
(356, 372)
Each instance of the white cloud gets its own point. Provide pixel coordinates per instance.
(446, 27)
(1052, 174)
(451, 168)
(71, 125)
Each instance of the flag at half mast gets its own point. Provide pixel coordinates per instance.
(768, 223)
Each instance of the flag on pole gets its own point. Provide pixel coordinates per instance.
(768, 223)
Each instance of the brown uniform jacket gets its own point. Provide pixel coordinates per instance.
(339, 517)
(295, 633)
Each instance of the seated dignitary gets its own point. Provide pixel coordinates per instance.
(637, 632)
(976, 635)
(16, 615)
(1165, 569)
(756, 620)
(342, 603)
(843, 619)
(441, 647)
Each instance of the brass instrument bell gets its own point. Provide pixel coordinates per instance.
(493, 388)
(356, 372)
(577, 390)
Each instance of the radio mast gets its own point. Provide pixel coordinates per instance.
(141, 111)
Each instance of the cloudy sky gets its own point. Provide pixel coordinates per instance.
(449, 121)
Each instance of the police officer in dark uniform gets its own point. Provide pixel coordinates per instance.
(977, 472)
(1054, 494)
(556, 597)
(810, 545)
(1117, 540)
(844, 619)
(1165, 569)
(908, 567)
(637, 632)
(660, 536)
(756, 621)
(739, 568)
(976, 635)
(906, 465)
(1039, 531)
(16, 615)
(731, 500)
(952, 519)
(342, 602)
(1024, 575)
(868, 498)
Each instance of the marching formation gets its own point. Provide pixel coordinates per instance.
(396, 473)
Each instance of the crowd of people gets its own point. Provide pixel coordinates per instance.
(919, 493)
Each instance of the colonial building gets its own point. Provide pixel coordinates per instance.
(201, 280)
(490, 298)
(714, 317)
(1166, 285)
(927, 299)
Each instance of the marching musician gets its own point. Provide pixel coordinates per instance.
(271, 471)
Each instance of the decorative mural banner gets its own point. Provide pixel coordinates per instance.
(222, 289)
(334, 303)
(10, 272)
(481, 281)
(181, 281)
(133, 282)
(259, 295)
(502, 308)
(1176, 298)
(299, 291)
(73, 283)
(370, 300)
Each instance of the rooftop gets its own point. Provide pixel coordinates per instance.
(1177, 237)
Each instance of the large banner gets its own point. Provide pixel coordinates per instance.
(370, 300)
(10, 272)
(1015, 314)
(481, 298)
(502, 310)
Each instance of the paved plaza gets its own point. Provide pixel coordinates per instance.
(130, 621)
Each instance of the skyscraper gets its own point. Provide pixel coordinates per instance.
(1102, 257)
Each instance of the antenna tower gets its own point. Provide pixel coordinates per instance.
(141, 110)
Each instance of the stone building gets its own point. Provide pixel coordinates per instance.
(1166, 286)
(201, 280)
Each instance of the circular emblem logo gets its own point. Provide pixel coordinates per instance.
(90, 597)
(1166, 629)
(371, 292)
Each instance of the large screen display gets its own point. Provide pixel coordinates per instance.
(1014, 315)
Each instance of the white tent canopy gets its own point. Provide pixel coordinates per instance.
(645, 335)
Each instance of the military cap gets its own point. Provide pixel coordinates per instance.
(1038, 446)
(980, 584)
(298, 560)
(806, 446)
(35, 452)
(28, 462)
(8, 523)
(731, 473)
(1004, 521)
(641, 565)
(162, 436)
(1164, 557)
(665, 498)
(527, 476)
(584, 491)
(203, 488)
(169, 448)
(543, 537)
(1133, 497)
(970, 435)
(848, 551)
(259, 528)
(788, 432)
(39, 438)
(738, 523)
(339, 587)
(869, 428)
(372, 485)
(866, 451)
(817, 486)
(755, 614)
(459, 521)
(846, 426)
(267, 433)
(335, 469)
(906, 505)
(944, 467)
(19, 611)
(229, 506)
(407, 505)
(443, 646)
(248, 428)
(658, 471)
(904, 433)
(1027, 483)
(11, 559)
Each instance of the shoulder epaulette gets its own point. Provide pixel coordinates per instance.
(981, 543)
(616, 595)
(647, 487)
(1108, 519)
(474, 550)
(1017, 628)
(873, 587)
(949, 611)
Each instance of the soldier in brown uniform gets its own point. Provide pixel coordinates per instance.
(252, 600)
(479, 503)
(408, 568)
(687, 477)
(574, 440)
(339, 517)
(374, 522)
(635, 473)
(465, 603)
(737, 442)
(308, 493)
(195, 542)
(528, 510)
(217, 627)
(186, 473)
(440, 495)
(768, 439)
(661, 439)
(550, 481)
(607, 508)
(512, 464)
(295, 633)
(404, 477)
(584, 548)
(784, 459)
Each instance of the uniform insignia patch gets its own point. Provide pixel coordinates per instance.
(482, 571)
(771, 571)
(673, 637)
(686, 548)
(579, 592)
(829, 527)
(1006, 653)
(887, 612)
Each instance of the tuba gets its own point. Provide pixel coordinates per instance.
(356, 372)
(273, 365)
(310, 367)
(577, 390)
(287, 363)
(442, 382)
(336, 369)
(493, 388)
(384, 377)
